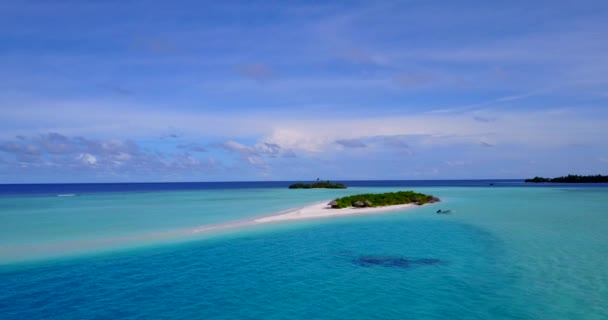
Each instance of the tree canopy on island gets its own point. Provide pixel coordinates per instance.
(383, 199)
(571, 179)
(319, 184)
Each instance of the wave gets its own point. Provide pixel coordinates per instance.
(67, 195)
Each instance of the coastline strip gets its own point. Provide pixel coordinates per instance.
(323, 210)
(319, 210)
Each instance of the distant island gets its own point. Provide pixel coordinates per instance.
(570, 179)
(319, 184)
(372, 200)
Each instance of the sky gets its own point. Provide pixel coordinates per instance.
(139, 91)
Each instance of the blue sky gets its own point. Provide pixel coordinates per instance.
(287, 90)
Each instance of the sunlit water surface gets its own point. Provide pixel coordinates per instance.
(506, 253)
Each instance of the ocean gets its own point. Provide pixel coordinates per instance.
(129, 251)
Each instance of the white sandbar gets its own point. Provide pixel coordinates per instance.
(314, 211)
(322, 210)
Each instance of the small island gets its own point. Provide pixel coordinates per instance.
(319, 184)
(356, 204)
(570, 179)
(372, 200)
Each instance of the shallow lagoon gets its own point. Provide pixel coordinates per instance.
(513, 252)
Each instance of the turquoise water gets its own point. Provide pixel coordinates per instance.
(506, 253)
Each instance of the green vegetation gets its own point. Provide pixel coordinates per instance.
(383, 199)
(538, 180)
(318, 184)
(571, 179)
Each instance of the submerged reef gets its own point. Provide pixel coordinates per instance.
(394, 262)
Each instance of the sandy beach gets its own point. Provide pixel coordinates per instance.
(323, 210)
(317, 210)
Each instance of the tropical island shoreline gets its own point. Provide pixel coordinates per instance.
(571, 178)
(318, 210)
(318, 185)
(328, 209)
(324, 210)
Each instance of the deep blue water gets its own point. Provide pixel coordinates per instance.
(81, 188)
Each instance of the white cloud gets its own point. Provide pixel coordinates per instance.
(56, 154)
(237, 147)
(87, 158)
(351, 143)
(297, 139)
(515, 128)
(256, 155)
(305, 132)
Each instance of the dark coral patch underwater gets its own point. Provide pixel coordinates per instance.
(395, 262)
